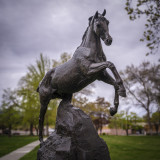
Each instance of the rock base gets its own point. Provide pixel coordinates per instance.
(75, 138)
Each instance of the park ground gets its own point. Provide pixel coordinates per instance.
(120, 147)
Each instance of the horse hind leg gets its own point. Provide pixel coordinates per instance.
(44, 104)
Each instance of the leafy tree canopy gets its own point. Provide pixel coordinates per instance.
(151, 10)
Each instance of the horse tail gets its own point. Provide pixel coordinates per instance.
(37, 89)
(46, 81)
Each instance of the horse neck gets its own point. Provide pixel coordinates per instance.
(92, 41)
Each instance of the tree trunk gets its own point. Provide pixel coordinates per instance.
(156, 127)
(31, 129)
(127, 126)
(100, 129)
(126, 132)
(116, 128)
(10, 130)
(100, 125)
(149, 122)
(36, 128)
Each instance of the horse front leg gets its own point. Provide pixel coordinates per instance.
(121, 90)
(114, 109)
(105, 77)
(96, 67)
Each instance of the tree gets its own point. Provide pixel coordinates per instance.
(151, 10)
(100, 113)
(116, 121)
(30, 108)
(142, 84)
(10, 115)
(27, 91)
(126, 121)
(121, 120)
(136, 123)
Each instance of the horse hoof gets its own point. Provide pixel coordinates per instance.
(113, 111)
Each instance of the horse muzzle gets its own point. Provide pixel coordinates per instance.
(108, 41)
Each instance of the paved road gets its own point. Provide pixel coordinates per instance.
(17, 154)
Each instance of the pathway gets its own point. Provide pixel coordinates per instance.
(17, 154)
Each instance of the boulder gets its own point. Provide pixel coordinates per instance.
(74, 138)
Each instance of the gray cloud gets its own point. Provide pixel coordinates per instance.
(28, 28)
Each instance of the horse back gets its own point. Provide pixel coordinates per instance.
(68, 76)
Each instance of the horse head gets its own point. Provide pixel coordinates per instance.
(100, 26)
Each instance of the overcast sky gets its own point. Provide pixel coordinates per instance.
(51, 27)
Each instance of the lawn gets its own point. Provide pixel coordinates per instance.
(125, 148)
(8, 144)
(133, 147)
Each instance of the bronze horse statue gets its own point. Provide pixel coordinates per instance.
(87, 65)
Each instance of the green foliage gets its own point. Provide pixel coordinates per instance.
(126, 121)
(10, 115)
(155, 119)
(27, 91)
(151, 10)
(9, 144)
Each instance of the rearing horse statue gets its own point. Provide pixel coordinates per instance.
(87, 65)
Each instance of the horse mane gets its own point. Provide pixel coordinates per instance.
(90, 18)
(84, 34)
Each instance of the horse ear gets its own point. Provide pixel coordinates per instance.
(96, 15)
(90, 19)
(104, 13)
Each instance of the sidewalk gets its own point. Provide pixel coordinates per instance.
(17, 154)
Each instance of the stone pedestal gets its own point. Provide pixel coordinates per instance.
(75, 137)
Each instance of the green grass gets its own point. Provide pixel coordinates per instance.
(9, 144)
(133, 147)
(125, 148)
